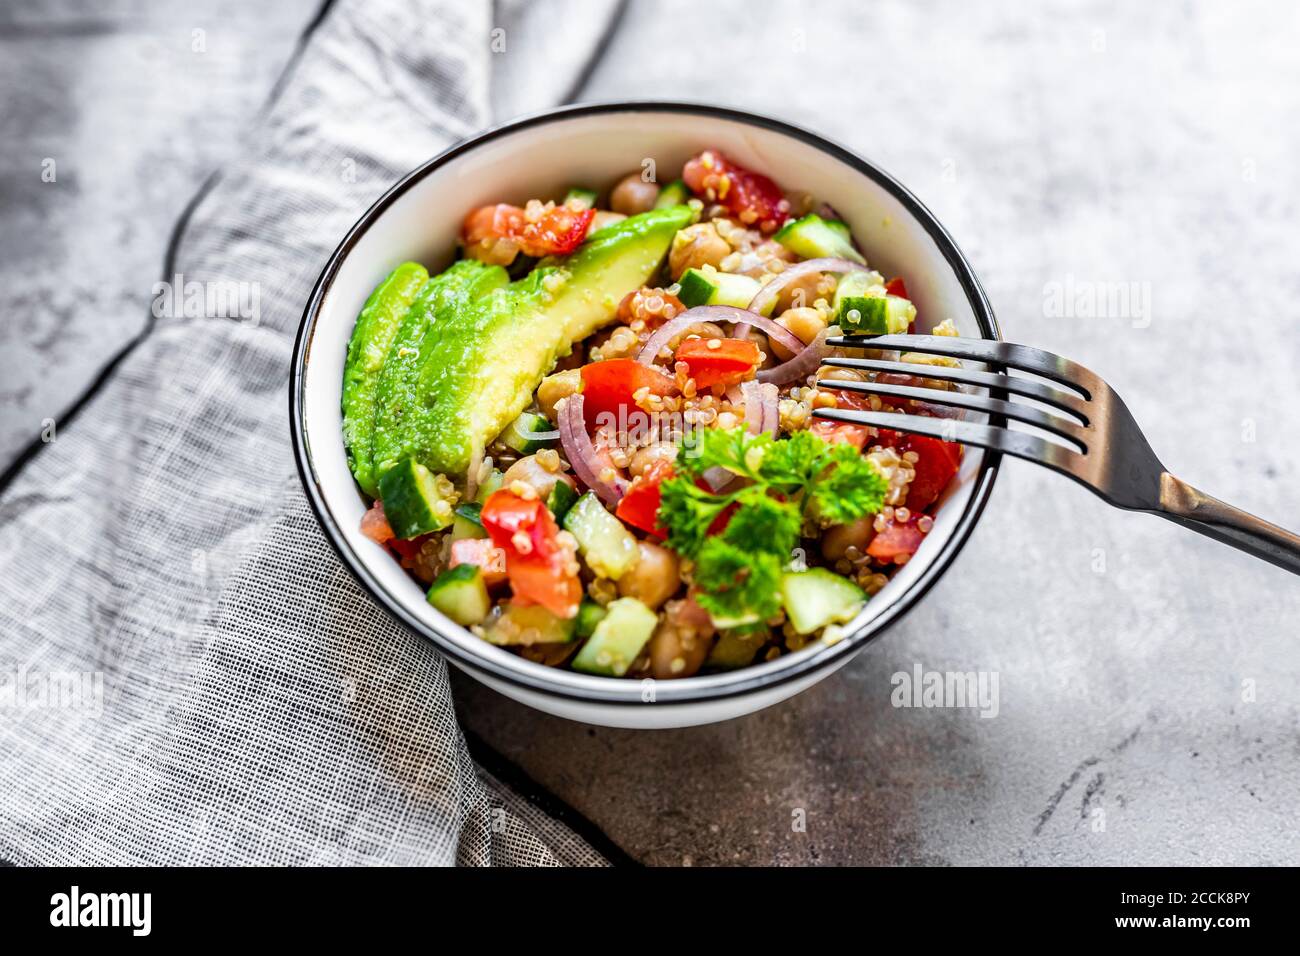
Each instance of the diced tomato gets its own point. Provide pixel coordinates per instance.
(840, 433)
(937, 462)
(483, 554)
(896, 287)
(900, 539)
(610, 386)
(640, 505)
(541, 230)
(541, 568)
(374, 524)
(719, 361)
(753, 198)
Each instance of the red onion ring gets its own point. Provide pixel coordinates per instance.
(581, 453)
(772, 288)
(761, 414)
(716, 313)
(803, 364)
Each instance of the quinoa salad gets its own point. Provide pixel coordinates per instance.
(592, 437)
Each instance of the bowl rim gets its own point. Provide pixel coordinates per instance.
(552, 681)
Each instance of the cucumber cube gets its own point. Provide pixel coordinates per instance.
(530, 624)
(412, 501)
(608, 547)
(813, 237)
(461, 594)
(617, 639)
(817, 597)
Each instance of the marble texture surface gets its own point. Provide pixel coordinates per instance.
(1149, 680)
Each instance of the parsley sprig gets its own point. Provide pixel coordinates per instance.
(740, 540)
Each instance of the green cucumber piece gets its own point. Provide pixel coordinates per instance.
(467, 523)
(674, 194)
(492, 483)
(734, 649)
(875, 314)
(608, 547)
(372, 336)
(580, 198)
(398, 402)
(561, 499)
(460, 594)
(589, 615)
(813, 237)
(862, 306)
(411, 500)
(528, 433)
(817, 597)
(708, 286)
(531, 624)
(617, 638)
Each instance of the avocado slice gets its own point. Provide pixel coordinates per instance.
(372, 337)
(478, 369)
(397, 415)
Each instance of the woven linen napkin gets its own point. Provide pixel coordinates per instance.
(188, 675)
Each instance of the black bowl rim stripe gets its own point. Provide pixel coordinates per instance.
(538, 678)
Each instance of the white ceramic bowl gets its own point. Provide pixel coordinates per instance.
(597, 143)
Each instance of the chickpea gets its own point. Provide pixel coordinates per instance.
(633, 195)
(803, 291)
(840, 375)
(805, 322)
(555, 387)
(676, 651)
(696, 246)
(839, 538)
(531, 472)
(654, 577)
(643, 458)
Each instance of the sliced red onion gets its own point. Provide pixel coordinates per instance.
(761, 414)
(755, 417)
(718, 478)
(581, 453)
(803, 364)
(771, 411)
(772, 288)
(715, 313)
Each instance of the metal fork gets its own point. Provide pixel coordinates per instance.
(1113, 457)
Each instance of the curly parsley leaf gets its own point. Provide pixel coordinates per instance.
(734, 449)
(763, 523)
(741, 540)
(791, 464)
(852, 488)
(687, 511)
(735, 583)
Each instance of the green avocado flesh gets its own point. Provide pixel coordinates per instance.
(480, 365)
(368, 350)
(400, 417)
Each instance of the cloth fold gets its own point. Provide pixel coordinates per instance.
(188, 675)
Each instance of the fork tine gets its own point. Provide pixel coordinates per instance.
(977, 403)
(1029, 447)
(1027, 387)
(1023, 357)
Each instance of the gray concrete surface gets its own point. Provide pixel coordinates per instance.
(1110, 143)
(1148, 679)
(114, 113)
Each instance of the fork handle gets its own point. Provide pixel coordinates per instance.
(1183, 504)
